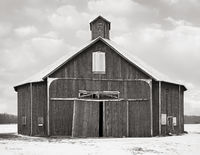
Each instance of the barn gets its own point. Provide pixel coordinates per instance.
(100, 90)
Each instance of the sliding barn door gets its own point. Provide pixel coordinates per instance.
(61, 115)
(115, 119)
(86, 119)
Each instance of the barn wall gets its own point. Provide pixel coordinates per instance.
(24, 109)
(172, 105)
(181, 110)
(39, 103)
(155, 103)
(116, 66)
(69, 88)
(139, 119)
(115, 113)
(119, 76)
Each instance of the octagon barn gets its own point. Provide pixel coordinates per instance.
(99, 91)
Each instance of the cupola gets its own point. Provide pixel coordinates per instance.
(100, 27)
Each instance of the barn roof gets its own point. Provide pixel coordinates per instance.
(98, 18)
(42, 75)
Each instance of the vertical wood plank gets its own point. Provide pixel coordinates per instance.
(31, 108)
(73, 120)
(151, 108)
(127, 116)
(160, 104)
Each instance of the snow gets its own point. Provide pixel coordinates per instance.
(8, 128)
(13, 144)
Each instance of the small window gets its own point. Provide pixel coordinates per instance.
(163, 119)
(98, 63)
(174, 121)
(98, 94)
(23, 120)
(40, 121)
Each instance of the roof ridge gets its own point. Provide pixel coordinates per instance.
(49, 69)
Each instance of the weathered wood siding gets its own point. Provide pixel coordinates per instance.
(171, 104)
(115, 113)
(139, 119)
(116, 66)
(39, 107)
(115, 119)
(24, 109)
(181, 110)
(121, 76)
(69, 88)
(139, 111)
(86, 119)
(155, 103)
(61, 114)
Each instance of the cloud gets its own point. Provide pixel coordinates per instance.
(26, 31)
(46, 46)
(68, 17)
(122, 8)
(5, 29)
(111, 6)
(125, 15)
(164, 34)
(171, 2)
(19, 62)
(83, 35)
(175, 46)
(186, 10)
(51, 34)
(33, 53)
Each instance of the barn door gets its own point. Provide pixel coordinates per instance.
(61, 114)
(86, 119)
(115, 119)
(139, 109)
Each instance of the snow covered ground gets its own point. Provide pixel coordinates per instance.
(13, 144)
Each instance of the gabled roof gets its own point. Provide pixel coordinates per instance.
(101, 18)
(42, 75)
(93, 21)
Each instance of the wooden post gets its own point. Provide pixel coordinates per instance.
(31, 112)
(151, 108)
(49, 81)
(73, 119)
(48, 131)
(127, 119)
(159, 108)
(179, 98)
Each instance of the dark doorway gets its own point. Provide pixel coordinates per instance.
(101, 119)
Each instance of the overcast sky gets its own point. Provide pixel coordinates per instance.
(163, 33)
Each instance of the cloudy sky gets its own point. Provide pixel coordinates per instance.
(163, 33)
